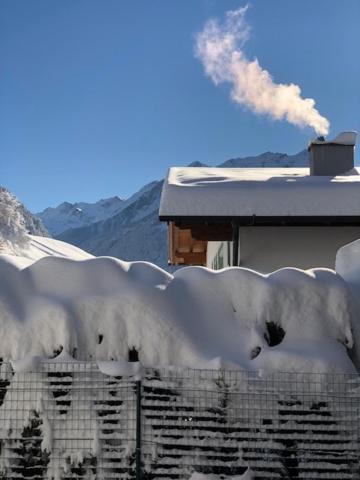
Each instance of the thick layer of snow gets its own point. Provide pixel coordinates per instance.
(202, 476)
(101, 308)
(343, 138)
(258, 191)
(121, 368)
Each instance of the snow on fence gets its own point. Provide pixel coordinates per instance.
(73, 421)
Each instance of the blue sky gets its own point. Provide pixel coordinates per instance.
(98, 98)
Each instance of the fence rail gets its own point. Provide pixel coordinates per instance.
(71, 421)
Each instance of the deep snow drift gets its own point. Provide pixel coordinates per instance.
(101, 308)
(202, 476)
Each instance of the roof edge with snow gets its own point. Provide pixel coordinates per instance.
(268, 196)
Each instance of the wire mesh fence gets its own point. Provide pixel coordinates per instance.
(72, 421)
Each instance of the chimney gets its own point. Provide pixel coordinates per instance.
(333, 157)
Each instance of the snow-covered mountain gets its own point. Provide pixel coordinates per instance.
(72, 215)
(264, 160)
(134, 231)
(68, 216)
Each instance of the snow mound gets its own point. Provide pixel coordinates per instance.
(103, 309)
(248, 475)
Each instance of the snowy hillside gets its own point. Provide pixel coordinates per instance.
(21, 255)
(135, 233)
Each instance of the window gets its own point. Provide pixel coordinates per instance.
(219, 259)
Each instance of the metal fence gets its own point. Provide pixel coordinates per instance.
(71, 421)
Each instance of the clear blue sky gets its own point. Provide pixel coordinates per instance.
(99, 97)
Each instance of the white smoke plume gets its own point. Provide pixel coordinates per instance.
(220, 49)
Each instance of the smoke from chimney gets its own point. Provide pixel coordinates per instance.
(220, 49)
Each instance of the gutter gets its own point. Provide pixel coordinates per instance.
(271, 221)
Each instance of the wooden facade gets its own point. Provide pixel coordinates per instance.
(183, 248)
(188, 241)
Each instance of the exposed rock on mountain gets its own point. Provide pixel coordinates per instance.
(72, 215)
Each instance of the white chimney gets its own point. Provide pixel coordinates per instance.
(333, 157)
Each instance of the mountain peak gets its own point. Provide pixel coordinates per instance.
(197, 164)
(73, 215)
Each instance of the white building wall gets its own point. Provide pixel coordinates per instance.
(266, 249)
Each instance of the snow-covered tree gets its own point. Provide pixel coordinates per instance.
(16, 222)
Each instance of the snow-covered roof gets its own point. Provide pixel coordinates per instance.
(344, 138)
(262, 192)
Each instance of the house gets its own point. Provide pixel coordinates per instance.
(265, 218)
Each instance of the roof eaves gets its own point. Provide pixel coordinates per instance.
(279, 220)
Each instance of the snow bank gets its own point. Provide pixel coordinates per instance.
(121, 369)
(202, 476)
(258, 191)
(103, 308)
(236, 309)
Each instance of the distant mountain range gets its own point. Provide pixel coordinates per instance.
(130, 229)
(73, 215)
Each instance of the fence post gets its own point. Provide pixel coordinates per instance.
(138, 431)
